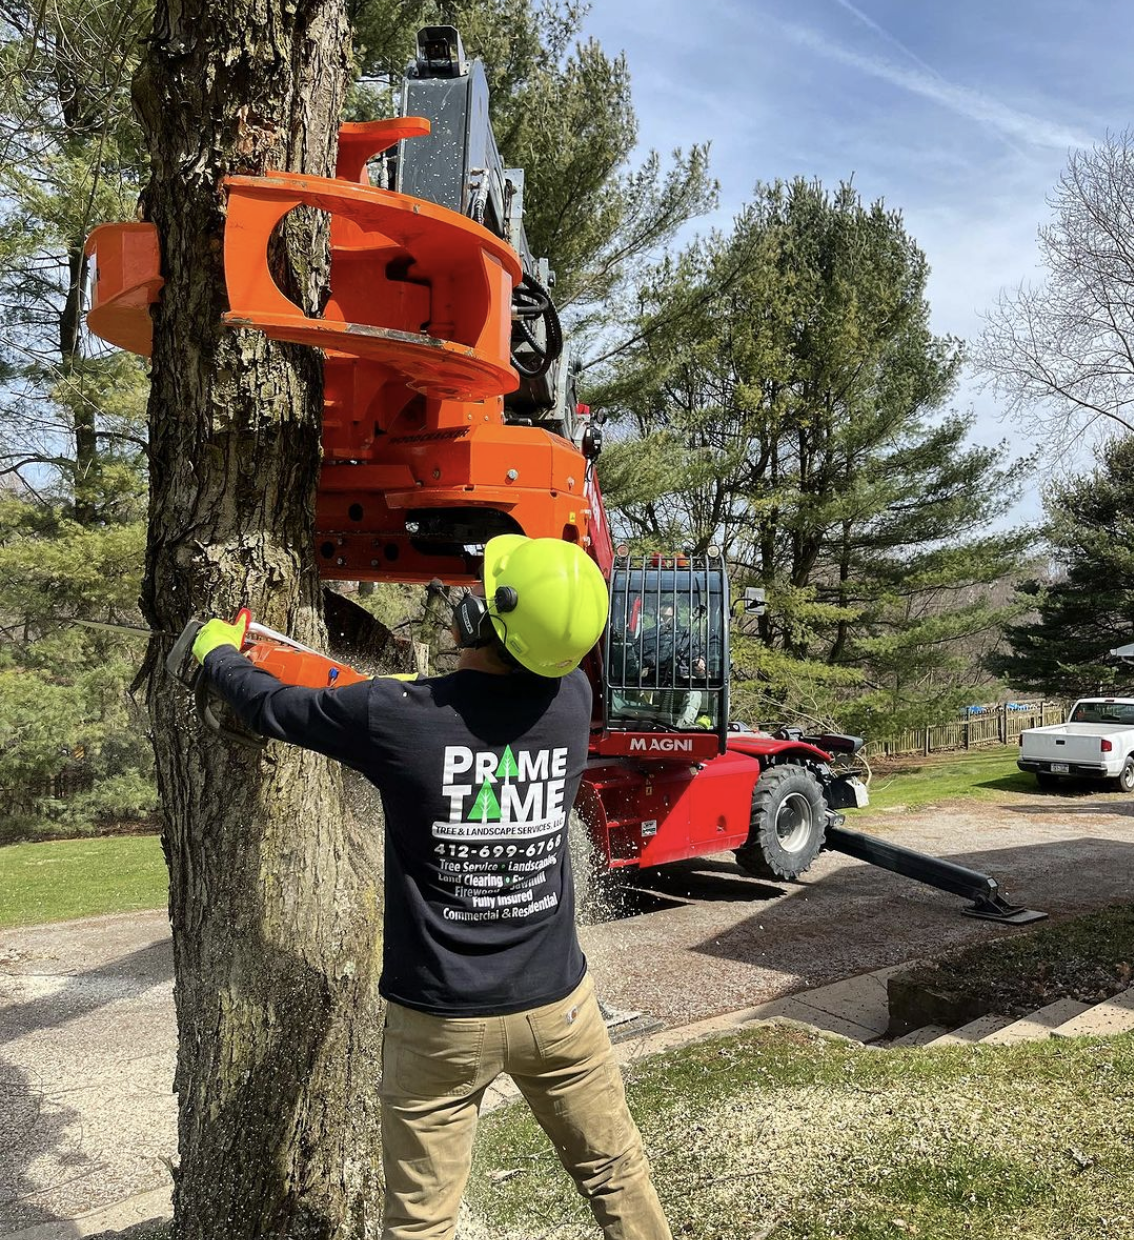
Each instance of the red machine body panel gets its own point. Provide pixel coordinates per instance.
(658, 746)
(651, 810)
(768, 748)
(651, 815)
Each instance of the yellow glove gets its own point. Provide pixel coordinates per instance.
(216, 633)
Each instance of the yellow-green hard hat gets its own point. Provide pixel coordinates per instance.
(560, 601)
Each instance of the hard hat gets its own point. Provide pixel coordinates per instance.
(546, 599)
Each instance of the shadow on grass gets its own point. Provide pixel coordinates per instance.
(1101, 794)
(1024, 784)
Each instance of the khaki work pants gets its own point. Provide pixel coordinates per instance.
(435, 1071)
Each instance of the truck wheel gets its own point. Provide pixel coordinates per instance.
(1125, 780)
(788, 824)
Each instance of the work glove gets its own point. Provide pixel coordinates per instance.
(216, 633)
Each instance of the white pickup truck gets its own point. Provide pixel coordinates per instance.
(1096, 742)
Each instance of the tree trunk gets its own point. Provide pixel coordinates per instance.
(273, 897)
(842, 628)
(84, 485)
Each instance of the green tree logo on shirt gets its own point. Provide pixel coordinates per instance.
(507, 766)
(486, 805)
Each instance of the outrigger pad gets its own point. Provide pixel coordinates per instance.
(996, 909)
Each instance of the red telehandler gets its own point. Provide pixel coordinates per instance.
(451, 417)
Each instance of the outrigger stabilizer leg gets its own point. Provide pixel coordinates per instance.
(984, 891)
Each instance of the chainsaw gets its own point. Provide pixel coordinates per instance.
(286, 659)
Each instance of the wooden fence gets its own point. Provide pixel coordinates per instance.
(993, 725)
(66, 783)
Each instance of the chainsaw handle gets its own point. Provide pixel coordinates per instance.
(180, 662)
(205, 697)
(187, 671)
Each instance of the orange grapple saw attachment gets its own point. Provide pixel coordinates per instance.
(418, 461)
(286, 659)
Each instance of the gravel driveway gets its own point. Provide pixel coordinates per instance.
(704, 938)
(86, 1012)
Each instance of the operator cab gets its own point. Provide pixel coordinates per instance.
(666, 656)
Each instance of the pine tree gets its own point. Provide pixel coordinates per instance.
(70, 422)
(787, 385)
(1086, 608)
(53, 570)
(72, 441)
(486, 807)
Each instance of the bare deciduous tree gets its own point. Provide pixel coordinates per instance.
(1061, 353)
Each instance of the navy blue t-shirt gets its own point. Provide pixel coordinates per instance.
(477, 775)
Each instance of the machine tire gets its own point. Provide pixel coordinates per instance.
(788, 826)
(1046, 780)
(1125, 780)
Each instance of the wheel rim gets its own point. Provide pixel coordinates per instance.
(794, 822)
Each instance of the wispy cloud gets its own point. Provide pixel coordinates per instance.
(1010, 124)
(883, 33)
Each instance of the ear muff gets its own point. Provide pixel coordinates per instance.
(471, 621)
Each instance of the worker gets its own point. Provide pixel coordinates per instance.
(482, 969)
(659, 647)
(671, 657)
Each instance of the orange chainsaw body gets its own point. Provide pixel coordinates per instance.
(305, 668)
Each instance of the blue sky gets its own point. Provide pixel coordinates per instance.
(959, 114)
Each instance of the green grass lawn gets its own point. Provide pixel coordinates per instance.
(981, 773)
(1088, 958)
(779, 1133)
(776, 1133)
(63, 879)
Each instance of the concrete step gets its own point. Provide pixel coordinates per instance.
(1113, 1015)
(924, 1036)
(975, 1031)
(855, 1008)
(1039, 1024)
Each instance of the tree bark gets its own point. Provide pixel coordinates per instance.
(84, 484)
(273, 895)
